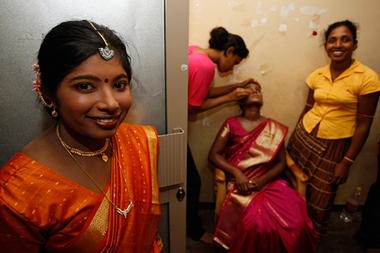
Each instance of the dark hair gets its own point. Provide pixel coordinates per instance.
(221, 39)
(347, 23)
(70, 43)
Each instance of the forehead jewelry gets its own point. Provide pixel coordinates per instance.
(101, 151)
(119, 211)
(106, 52)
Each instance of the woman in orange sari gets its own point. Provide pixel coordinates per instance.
(261, 212)
(89, 183)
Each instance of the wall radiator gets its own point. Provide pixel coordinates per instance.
(172, 159)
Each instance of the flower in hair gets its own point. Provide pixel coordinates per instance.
(36, 67)
(37, 82)
(36, 87)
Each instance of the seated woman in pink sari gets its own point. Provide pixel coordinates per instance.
(261, 212)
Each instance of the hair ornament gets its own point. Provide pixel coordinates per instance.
(37, 82)
(37, 89)
(106, 52)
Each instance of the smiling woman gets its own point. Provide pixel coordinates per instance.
(336, 121)
(90, 107)
(91, 177)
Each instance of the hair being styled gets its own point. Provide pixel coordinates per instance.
(347, 23)
(70, 43)
(221, 39)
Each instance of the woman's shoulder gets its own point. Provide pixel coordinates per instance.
(197, 57)
(232, 120)
(364, 68)
(320, 70)
(192, 48)
(366, 80)
(16, 162)
(42, 147)
(31, 191)
(25, 172)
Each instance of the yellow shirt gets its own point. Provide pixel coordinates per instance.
(336, 102)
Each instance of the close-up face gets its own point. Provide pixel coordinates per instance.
(340, 44)
(227, 62)
(255, 96)
(94, 98)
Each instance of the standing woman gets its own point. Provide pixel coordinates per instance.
(225, 51)
(89, 183)
(336, 121)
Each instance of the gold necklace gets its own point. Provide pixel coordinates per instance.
(118, 209)
(79, 152)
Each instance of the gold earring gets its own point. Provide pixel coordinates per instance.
(50, 105)
(54, 113)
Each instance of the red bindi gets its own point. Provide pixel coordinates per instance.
(106, 80)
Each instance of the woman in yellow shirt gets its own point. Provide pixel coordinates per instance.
(336, 121)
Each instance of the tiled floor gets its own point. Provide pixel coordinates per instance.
(341, 237)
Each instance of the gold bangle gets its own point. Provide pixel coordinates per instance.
(362, 115)
(349, 160)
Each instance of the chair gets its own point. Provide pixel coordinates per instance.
(220, 188)
(297, 177)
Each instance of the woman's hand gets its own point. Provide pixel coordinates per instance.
(239, 93)
(341, 173)
(246, 185)
(245, 82)
(256, 184)
(242, 183)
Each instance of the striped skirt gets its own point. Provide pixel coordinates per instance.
(318, 158)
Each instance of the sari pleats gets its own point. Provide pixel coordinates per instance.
(136, 232)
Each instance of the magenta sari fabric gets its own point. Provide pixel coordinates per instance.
(273, 219)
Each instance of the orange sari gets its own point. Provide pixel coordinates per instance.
(42, 211)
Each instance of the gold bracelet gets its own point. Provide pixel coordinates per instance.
(349, 160)
(362, 115)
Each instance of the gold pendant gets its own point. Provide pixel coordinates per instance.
(126, 211)
(104, 157)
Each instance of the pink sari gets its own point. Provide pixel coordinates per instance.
(273, 219)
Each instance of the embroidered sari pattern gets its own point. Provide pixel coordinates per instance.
(62, 216)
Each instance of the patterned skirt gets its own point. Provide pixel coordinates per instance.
(318, 158)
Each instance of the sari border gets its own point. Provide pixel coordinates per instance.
(152, 140)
